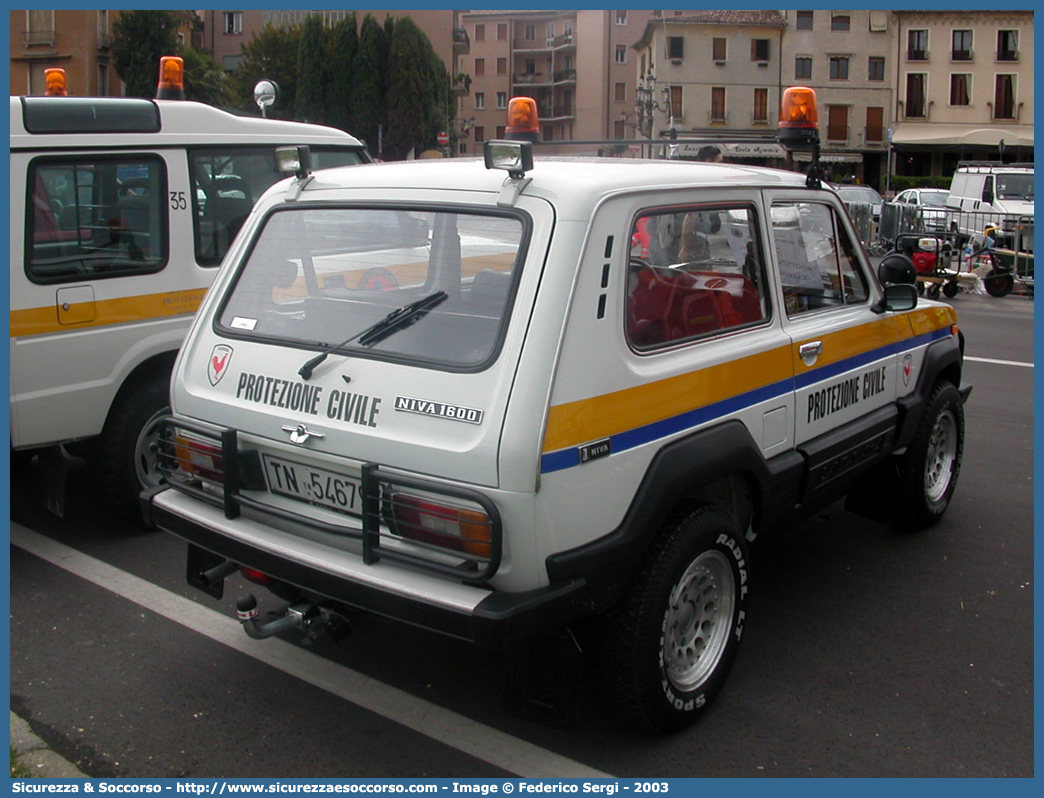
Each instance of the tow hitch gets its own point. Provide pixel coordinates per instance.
(310, 618)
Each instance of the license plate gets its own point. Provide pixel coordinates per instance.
(313, 485)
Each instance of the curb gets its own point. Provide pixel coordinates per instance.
(33, 754)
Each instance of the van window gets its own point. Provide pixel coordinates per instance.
(1015, 186)
(817, 263)
(321, 276)
(694, 271)
(97, 217)
(228, 181)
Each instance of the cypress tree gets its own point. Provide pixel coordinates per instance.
(409, 90)
(344, 44)
(311, 80)
(368, 87)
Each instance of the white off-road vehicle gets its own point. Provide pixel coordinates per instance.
(494, 398)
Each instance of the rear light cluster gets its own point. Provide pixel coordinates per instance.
(191, 459)
(198, 458)
(458, 529)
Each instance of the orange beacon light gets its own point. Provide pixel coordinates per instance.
(54, 82)
(798, 118)
(171, 78)
(523, 124)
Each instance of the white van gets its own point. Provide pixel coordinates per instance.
(989, 192)
(121, 211)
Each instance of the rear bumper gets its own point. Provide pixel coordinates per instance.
(488, 618)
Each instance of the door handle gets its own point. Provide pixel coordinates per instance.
(811, 348)
(810, 352)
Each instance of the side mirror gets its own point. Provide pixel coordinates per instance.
(900, 297)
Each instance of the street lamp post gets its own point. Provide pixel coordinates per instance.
(646, 104)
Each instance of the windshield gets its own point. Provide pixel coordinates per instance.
(1013, 186)
(318, 276)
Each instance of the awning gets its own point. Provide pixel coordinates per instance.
(925, 134)
(765, 149)
(830, 157)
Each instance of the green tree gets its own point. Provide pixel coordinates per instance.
(270, 55)
(139, 40)
(368, 88)
(311, 78)
(344, 43)
(204, 80)
(412, 115)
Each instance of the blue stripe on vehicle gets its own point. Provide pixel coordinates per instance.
(630, 439)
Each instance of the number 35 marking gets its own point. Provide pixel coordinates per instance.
(178, 202)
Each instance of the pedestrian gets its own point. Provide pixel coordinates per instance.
(709, 153)
(695, 226)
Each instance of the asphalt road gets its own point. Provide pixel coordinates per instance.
(868, 652)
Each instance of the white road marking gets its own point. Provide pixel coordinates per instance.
(1000, 362)
(483, 742)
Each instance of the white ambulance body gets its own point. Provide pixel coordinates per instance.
(121, 211)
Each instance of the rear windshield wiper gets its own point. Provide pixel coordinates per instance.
(390, 324)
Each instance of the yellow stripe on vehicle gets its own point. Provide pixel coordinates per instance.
(106, 312)
(726, 388)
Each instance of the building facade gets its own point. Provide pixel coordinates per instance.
(964, 88)
(710, 74)
(900, 92)
(578, 65)
(78, 41)
(848, 58)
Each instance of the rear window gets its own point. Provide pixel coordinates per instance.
(320, 277)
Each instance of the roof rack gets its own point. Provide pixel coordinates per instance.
(992, 165)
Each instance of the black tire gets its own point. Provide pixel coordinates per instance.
(920, 287)
(950, 289)
(125, 456)
(933, 291)
(672, 637)
(998, 283)
(929, 468)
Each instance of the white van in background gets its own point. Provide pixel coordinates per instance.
(121, 210)
(990, 192)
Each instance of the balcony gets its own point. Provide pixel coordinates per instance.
(961, 55)
(462, 85)
(461, 42)
(564, 76)
(104, 41)
(38, 37)
(561, 40)
(531, 44)
(916, 55)
(531, 79)
(1007, 55)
